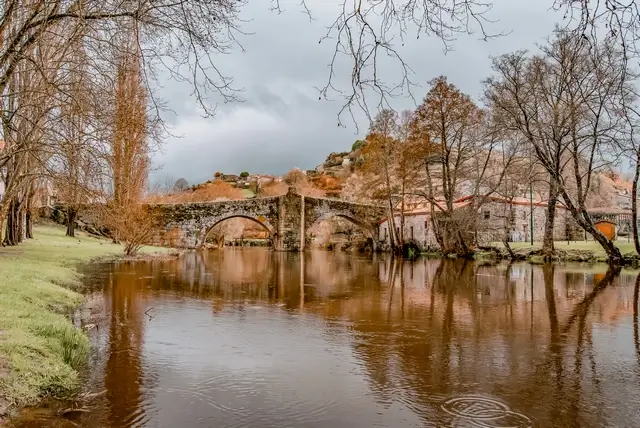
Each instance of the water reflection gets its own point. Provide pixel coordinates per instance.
(257, 338)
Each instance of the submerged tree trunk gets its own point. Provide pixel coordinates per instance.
(393, 238)
(548, 246)
(634, 205)
(72, 214)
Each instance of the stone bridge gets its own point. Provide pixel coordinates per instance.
(287, 218)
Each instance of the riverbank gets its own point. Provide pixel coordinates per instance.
(573, 251)
(40, 349)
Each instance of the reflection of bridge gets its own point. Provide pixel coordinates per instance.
(287, 218)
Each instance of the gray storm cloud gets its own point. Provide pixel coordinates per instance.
(281, 123)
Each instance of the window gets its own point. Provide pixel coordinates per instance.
(487, 215)
(412, 233)
(397, 231)
(385, 233)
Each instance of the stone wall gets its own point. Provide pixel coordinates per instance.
(187, 225)
(287, 218)
(417, 230)
(492, 229)
(491, 223)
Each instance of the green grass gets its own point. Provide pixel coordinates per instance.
(248, 193)
(624, 246)
(40, 350)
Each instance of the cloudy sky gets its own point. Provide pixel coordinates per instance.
(281, 124)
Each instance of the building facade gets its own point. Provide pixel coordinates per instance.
(495, 218)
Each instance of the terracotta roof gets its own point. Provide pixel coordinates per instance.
(1, 144)
(466, 201)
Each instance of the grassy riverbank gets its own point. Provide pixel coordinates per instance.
(570, 251)
(40, 350)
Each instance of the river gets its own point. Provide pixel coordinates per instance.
(252, 338)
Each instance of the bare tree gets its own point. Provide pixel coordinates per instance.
(408, 164)
(381, 151)
(458, 151)
(365, 33)
(631, 149)
(128, 157)
(75, 164)
(565, 103)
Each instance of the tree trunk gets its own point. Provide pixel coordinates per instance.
(72, 214)
(29, 213)
(634, 204)
(548, 247)
(613, 253)
(21, 222)
(402, 220)
(392, 229)
(581, 215)
(13, 235)
(9, 234)
(507, 245)
(636, 333)
(29, 225)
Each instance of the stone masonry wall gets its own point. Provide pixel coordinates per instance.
(491, 224)
(186, 225)
(287, 218)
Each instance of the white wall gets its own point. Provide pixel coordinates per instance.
(418, 225)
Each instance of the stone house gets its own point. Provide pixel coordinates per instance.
(491, 222)
(230, 178)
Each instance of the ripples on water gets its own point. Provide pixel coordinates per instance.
(251, 338)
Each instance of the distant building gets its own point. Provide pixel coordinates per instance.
(490, 222)
(230, 178)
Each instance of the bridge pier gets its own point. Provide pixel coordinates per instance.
(291, 221)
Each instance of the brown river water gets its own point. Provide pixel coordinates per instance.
(252, 338)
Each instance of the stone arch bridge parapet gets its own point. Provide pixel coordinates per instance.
(287, 218)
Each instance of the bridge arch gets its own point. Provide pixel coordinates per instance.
(212, 222)
(287, 218)
(369, 232)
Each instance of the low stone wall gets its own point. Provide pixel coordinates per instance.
(87, 220)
